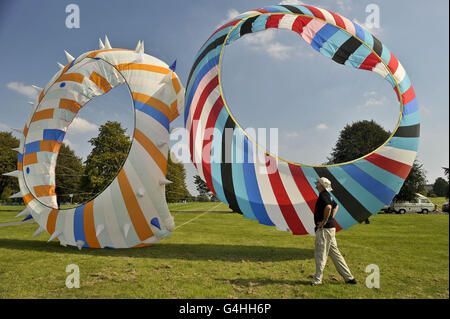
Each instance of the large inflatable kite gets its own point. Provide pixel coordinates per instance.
(132, 210)
(274, 191)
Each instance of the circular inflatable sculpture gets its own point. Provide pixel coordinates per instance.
(274, 191)
(132, 210)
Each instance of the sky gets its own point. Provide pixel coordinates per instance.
(270, 79)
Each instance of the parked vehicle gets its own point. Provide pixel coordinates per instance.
(445, 207)
(421, 205)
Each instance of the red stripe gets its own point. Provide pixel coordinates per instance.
(285, 204)
(393, 63)
(198, 110)
(206, 158)
(274, 20)
(306, 190)
(370, 62)
(396, 91)
(338, 20)
(395, 167)
(409, 95)
(316, 12)
(262, 11)
(300, 23)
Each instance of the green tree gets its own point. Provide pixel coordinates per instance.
(440, 187)
(110, 150)
(203, 190)
(69, 170)
(8, 162)
(363, 137)
(357, 140)
(176, 173)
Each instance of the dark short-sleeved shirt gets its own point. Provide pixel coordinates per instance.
(323, 200)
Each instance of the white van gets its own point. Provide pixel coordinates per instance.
(420, 205)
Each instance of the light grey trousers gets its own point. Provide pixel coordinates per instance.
(326, 245)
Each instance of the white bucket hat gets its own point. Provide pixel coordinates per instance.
(325, 182)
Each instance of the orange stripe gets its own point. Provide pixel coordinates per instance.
(25, 130)
(19, 166)
(41, 96)
(44, 190)
(94, 53)
(50, 146)
(176, 83)
(151, 101)
(134, 210)
(141, 245)
(100, 81)
(173, 111)
(143, 67)
(29, 159)
(42, 115)
(28, 198)
(152, 150)
(74, 77)
(51, 221)
(70, 105)
(89, 225)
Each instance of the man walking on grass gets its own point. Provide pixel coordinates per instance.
(324, 212)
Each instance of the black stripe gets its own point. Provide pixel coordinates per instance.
(247, 25)
(211, 46)
(358, 211)
(346, 49)
(292, 9)
(226, 167)
(408, 131)
(377, 46)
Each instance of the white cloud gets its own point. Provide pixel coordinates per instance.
(373, 98)
(69, 143)
(321, 127)
(231, 13)
(344, 5)
(292, 134)
(23, 89)
(81, 126)
(4, 127)
(264, 41)
(294, 2)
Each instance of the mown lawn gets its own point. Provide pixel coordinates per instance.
(217, 255)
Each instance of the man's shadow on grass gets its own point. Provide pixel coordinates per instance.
(200, 251)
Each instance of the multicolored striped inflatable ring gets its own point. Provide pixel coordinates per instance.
(132, 210)
(284, 195)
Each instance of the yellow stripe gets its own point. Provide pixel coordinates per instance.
(74, 77)
(100, 81)
(89, 225)
(44, 190)
(95, 53)
(42, 115)
(51, 221)
(143, 67)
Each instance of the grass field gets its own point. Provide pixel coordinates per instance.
(217, 255)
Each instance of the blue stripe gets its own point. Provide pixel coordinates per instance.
(54, 135)
(359, 32)
(390, 180)
(323, 35)
(410, 119)
(276, 9)
(390, 79)
(238, 174)
(343, 217)
(209, 64)
(20, 158)
(385, 55)
(406, 143)
(357, 58)
(367, 199)
(254, 196)
(260, 23)
(405, 84)
(156, 114)
(78, 225)
(305, 10)
(32, 147)
(383, 193)
(330, 47)
(411, 107)
(216, 155)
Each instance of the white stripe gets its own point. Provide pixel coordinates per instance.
(349, 26)
(405, 156)
(380, 69)
(67, 217)
(400, 73)
(328, 16)
(301, 207)
(287, 21)
(267, 195)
